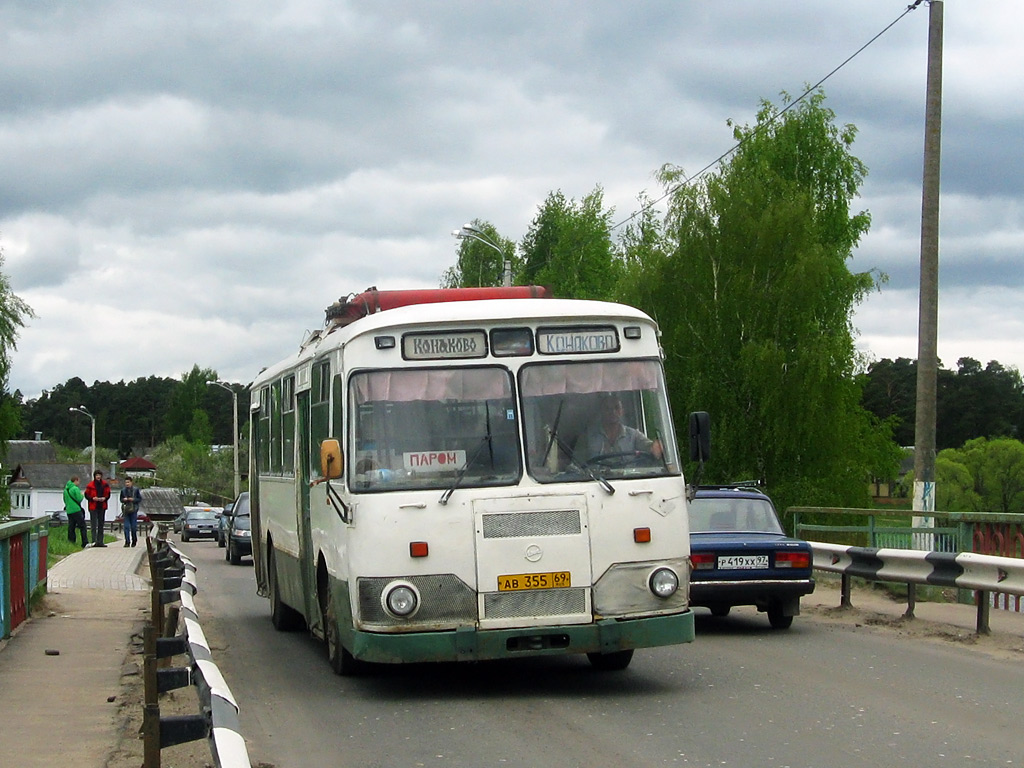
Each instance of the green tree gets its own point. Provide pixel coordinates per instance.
(982, 476)
(477, 264)
(187, 399)
(890, 392)
(750, 285)
(569, 248)
(13, 314)
(971, 402)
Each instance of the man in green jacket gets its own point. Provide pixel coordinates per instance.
(73, 498)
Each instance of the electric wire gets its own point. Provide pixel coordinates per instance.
(757, 129)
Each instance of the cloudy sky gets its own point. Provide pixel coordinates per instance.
(195, 182)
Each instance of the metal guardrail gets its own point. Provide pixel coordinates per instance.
(966, 570)
(23, 548)
(174, 581)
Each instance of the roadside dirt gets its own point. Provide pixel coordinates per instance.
(877, 610)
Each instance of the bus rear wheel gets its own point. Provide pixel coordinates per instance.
(610, 662)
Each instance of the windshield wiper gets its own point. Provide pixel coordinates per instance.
(484, 441)
(567, 450)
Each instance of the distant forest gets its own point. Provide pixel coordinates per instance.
(133, 417)
(972, 401)
(136, 416)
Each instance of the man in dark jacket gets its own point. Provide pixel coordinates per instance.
(131, 500)
(98, 493)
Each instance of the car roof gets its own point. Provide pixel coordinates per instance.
(730, 492)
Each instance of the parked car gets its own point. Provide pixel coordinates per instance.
(239, 539)
(742, 556)
(239, 506)
(199, 524)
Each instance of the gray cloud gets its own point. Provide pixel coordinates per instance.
(242, 165)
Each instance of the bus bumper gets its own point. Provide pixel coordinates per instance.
(470, 644)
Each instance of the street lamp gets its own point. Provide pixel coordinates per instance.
(469, 232)
(83, 410)
(234, 411)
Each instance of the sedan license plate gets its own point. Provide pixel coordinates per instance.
(742, 562)
(519, 581)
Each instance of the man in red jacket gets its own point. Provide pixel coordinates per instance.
(98, 493)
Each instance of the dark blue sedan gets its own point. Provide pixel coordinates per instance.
(742, 556)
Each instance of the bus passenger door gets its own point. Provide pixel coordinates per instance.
(255, 512)
(307, 557)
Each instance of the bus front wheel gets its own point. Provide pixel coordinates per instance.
(341, 661)
(610, 662)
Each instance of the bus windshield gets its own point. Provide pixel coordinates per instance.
(427, 428)
(603, 418)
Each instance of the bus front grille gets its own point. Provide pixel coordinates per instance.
(445, 597)
(536, 602)
(509, 525)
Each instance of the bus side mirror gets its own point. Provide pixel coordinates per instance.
(700, 436)
(331, 461)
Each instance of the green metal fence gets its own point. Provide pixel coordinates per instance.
(985, 533)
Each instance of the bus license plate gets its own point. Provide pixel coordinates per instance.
(534, 581)
(747, 562)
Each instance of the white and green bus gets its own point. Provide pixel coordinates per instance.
(469, 474)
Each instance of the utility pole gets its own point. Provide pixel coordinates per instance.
(928, 312)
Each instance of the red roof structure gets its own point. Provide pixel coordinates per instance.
(137, 464)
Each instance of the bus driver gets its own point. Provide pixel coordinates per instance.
(608, 436)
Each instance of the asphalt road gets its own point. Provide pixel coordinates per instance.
(819, 694)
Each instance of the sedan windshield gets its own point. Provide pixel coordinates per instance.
(747, 515)
(201, 515)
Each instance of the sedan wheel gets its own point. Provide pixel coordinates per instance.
(778, 620)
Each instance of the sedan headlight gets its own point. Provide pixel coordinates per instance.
(663, 582)
(401, 599)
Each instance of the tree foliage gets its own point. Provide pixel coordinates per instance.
(970, 402)
(479, 265)
(982, 476)
(13, 314)
(749, 282)
(132, 417)
(568, 247)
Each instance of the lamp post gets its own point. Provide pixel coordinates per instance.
(469, 232)
(83, 410)
(234, 412)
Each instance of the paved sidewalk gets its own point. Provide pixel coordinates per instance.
(60, 673)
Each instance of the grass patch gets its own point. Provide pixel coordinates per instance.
(58, 546)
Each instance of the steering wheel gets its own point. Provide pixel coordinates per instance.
(622, 459)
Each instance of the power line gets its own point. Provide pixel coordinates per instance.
(783, 111)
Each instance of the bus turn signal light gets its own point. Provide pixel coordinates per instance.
(641, 535)
(418, 549)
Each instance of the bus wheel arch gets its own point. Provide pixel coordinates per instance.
(341, 660)
(282, 616)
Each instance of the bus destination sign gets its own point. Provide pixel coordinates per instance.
(577, 341)
(444, 346)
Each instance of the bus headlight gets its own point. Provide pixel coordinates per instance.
(401, 599)
(663, 582)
